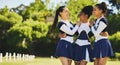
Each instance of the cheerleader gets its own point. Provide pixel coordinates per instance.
(82, 47)
(64, 50)
(102, 46)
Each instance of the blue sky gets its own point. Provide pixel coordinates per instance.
(15, 3)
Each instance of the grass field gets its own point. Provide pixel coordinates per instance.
(47, 61)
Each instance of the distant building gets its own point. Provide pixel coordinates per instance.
(19, 8)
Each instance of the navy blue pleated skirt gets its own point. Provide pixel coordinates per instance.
(80, 52)
(64, 49)
(102, 48)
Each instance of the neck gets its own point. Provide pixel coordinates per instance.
(85, 20)
(99, 16)
(64, 19)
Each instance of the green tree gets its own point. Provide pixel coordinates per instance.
(36, 11)
(115, 41)
(7, 20)
(76, 5)
(115, 3)
(113, 23)
(25, 33)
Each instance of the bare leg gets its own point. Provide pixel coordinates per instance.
(83, 62)
(69, 62)
(96, 62)
(64, 60)
(103, 61)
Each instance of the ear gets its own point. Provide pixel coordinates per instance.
(60, 13)
(100, 10)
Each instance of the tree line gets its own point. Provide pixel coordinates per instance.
(24, 29)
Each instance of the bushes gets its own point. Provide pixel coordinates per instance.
(114, 23)
(117, 56)
(22, 35)
(46, 46)
(31, 37)
(115, 41)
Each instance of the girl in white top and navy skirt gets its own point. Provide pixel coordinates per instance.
(64, 50)
(82, 47)
(102, 46)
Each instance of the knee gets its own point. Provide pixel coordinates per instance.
(101, 63)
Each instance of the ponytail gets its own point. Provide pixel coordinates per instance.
(103, 4)
(57, 14)
(103, 7)
(56, 19)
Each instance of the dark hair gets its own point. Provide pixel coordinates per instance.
(103, 7)
(87, 10)
(60, 9)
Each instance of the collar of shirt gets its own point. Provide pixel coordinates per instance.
(100, 18)
(67, 23)
(64, 21)
(85, 23)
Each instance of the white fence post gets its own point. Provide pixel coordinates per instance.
(10, 57)
(20, 56)
(1, 57)
(17, 56)
(23, 57)
(27, 57)
(6, 56)
(51, 57)
(14, 56)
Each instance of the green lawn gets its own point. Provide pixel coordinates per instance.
(47, 61)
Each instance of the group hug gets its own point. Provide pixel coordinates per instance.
(80, 49)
